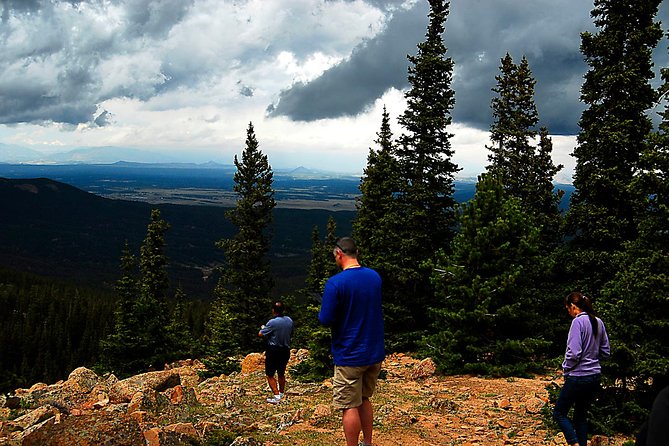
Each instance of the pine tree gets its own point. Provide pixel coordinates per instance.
(139, 340)
(318, 366)
(614, 126)
(526, 170)
(117, 350)
(485, 317)
(424, 153)
(150, 309)
(375, 221)
(221, 339)
(377, 230)
(317, 272)
(246, 281)
(515, 118)
(636, 302)
(178, 331)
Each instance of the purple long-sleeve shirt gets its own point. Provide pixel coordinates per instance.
(583, 349)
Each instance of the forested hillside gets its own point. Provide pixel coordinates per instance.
(54, 229)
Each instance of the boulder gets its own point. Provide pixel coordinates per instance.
(253, 362)
(424, 369)
(534, 405)
(172, 435)
(320, 414)
(148, 401)
(246, 441)
(123, 390)
(92, 429)
(81, 380)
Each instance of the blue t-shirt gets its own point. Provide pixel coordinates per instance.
(352, 308)
(278, 331)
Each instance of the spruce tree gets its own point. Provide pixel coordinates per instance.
(636, 303)
(526, 169)
(378, 231)
(485, 313)
(318, 366)
(117, 350)
(316, 268)
(425, 200)
(321, 267)
(150, 309)
(179, 336)
(614, 126)
(246, 281)
(375, 221)
(139, 339)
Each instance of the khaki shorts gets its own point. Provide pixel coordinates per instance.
(351, 384)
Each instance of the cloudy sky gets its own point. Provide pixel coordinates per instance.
(185, 77)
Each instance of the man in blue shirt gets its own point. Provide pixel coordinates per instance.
(277, 331)
(352, 308)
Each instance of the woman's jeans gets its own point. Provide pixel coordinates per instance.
(578, 391)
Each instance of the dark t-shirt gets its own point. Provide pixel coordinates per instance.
(278, 331)
(352, 308)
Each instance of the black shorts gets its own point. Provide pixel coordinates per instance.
(276, 360)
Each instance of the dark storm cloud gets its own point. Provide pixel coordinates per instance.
(153, 18)
(478, 34)
(375, 66)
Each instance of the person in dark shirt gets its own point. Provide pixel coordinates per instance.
(351, 307)
(277, 333)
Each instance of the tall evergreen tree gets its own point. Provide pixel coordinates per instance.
(424, 153)
(614, 126)
(375, 221)
(515, 118)
(525, 169)
(485, 315)
(246, 281)
(636, 301)
(117, 349)
(318, 265)
(179, 336)
(321, 267)
(150, 309)
(139, 339)
(315, 337)
(378, 232)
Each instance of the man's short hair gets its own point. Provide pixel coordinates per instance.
(347, 246)
(278, 307)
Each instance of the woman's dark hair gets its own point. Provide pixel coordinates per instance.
(584, 304)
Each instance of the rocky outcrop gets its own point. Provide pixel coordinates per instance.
(413, 406)
(88, 409)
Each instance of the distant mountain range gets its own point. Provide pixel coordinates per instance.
(90, 155)
(129, 157)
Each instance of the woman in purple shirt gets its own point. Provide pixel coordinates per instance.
(587, 343)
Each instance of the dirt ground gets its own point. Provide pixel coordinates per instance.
(411, 410)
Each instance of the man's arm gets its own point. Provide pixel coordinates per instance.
(265, 330)
(326, 316)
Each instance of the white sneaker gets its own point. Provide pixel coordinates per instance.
(276, 399)
(280, 395)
